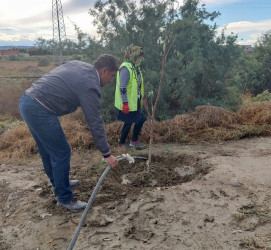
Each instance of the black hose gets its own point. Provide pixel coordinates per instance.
(91, 199)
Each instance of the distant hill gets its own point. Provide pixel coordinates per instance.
(16, 47)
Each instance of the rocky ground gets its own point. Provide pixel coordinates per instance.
(194, 196)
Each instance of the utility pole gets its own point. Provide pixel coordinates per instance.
(59, 31)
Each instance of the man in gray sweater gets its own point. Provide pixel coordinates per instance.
(73, 84)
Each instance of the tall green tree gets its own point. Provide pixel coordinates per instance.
(246, 74)
(263, 56)
(199, 61)
(121, 23)
(252, 71)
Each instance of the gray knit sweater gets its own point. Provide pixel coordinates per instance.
(69, 86)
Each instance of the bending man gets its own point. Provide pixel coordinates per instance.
(71, 85)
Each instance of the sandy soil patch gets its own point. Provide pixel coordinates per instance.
(196, 196)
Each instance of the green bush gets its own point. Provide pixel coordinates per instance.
(13, 58)
(264, 96)
(232, 99)
(43, 62)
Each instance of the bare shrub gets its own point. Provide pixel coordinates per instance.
(44, 61)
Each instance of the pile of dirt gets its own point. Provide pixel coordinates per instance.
(128, 180)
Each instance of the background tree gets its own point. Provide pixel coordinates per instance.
(252, 71)
(246, 74)
(199, 62)
(263, 56)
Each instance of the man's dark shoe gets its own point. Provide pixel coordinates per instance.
(73, 205)
(137, 144)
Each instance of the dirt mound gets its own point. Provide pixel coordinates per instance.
(128, 180)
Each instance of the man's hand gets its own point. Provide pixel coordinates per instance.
(112, 160)
(125, 108)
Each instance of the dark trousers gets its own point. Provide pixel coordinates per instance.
(137, 128)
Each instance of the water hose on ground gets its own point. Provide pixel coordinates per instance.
(94, 193)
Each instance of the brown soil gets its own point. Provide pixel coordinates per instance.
(195, 196)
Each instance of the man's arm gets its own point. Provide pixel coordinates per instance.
(90, 103)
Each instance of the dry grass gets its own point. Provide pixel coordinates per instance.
(23, 68)
(11, 89)
(16, 142)
(207, 123)
(209, 116)
(256, 113)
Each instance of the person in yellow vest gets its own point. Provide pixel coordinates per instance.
(129, 96)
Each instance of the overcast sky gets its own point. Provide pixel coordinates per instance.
(22, 21)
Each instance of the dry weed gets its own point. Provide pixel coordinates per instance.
(16, 142)
(210, 116)
(21, 68)
(256, 113)
(207, 123)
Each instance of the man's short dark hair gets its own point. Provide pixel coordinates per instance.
(107, 61)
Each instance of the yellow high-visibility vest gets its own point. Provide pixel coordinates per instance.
(131, 88)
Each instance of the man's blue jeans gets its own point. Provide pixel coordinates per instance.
(53, 146)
